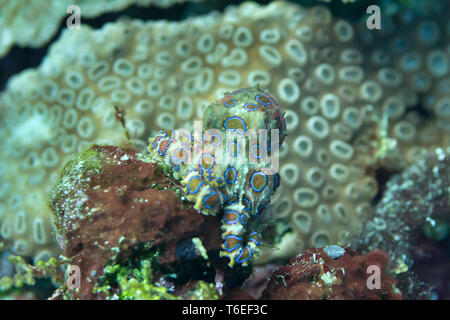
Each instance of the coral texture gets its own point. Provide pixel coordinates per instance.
(314, 275)
(414, 204)
(345, 91)
(26, 24)
(226, 165)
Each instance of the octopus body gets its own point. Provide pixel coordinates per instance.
(228, 166)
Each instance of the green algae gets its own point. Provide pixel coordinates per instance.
(136, 279)
(27, 274)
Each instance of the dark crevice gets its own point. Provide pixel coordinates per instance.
(382, 175)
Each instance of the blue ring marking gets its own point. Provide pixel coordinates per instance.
(223, 195)
(177, 160)
(155, 143)
(255, 107)
(157, 139)
(230, 106)
(233, 221)
(261, 151)
(249, 204)
(259, 173)
(238, 259)
(165, 149)
(187, 146)
(276, 182)
(236, 246)
(257, 242)
(198, 187)
(258, 99)
(175, 166)
(193, 170)
(219, 180)
(268, 143)
(206, 198)
(238, 147)
(243, 218)
(201, 165)
(233, 195)
(226, 173)
(219, 138)
(261, 209)
(236, 130)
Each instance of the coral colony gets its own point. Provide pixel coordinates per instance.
(280, 150)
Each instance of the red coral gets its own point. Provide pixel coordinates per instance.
(313, 275)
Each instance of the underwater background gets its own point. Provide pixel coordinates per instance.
(98, 200)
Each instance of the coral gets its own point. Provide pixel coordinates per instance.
(415, 205)
(26, 24)
(335, 81)
(388, 7)
(227, 166)
(314, 275)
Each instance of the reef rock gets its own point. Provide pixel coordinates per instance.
(415, 206)
(314, 275)
(110, 202)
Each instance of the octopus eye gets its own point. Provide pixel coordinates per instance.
(258, 181)
(232, 242)
(236, 124)
(194, 184)
(244, 255)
